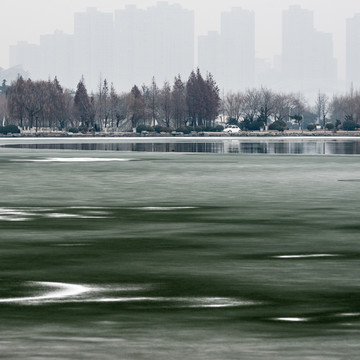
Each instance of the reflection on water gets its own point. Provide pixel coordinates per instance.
(238, 146)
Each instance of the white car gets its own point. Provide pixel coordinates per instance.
(232, 129)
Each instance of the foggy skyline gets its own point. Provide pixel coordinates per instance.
(27, 20)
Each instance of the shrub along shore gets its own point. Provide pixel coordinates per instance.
(269, 133)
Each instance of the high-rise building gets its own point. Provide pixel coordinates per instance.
(137, 46)
(353, 51)
(238, 51)
(93, 46)
(27, 56)
(157, 42)
(230, 55)
(308, 62)
(131, 47)
(210, 54)
(56, 58)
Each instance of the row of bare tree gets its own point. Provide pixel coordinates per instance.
(46, 104)
(264, 105)
(196, 102)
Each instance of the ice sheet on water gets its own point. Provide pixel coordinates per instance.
(74, 159)
(74, 216)
(164, 208)
(292, 319)
(304, 256)
(31, 213)
(84, 293)
(16, 214)
(57, 291)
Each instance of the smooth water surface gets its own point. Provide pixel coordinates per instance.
(221, 145)
(135, 255)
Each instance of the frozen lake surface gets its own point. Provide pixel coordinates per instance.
(179, 255)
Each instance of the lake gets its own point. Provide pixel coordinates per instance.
(179, 249)
(222, 145)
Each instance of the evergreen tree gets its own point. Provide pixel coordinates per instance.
(82, 105)
(202, 98)
(137, 107)
(212, 99)
(178, 101)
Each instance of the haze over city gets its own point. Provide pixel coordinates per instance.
(27, 21)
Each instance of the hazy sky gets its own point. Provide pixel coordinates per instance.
(27, 19)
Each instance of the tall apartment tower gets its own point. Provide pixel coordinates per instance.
(308, 62)
(157, 42)
(230, 55)
(210, 54)
(27, 56)
(353, 52)
(131, 47)
(56, 58)
(238, 37)
(93, 46)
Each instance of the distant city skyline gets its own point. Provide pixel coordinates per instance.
(27, 20)
(264, 69)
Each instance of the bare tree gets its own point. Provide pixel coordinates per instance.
(154, 101)
(282, 106)
(297, 108)
(165, 103)
(68, 108)
(322, 107)
(15, 95)
(114, 102)
(252, 104)
(3, 109)
(233, 104)
(124, 114)
(267, 100)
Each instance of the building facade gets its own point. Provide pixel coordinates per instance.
(353, 52)
(308, 62)
(230, 54)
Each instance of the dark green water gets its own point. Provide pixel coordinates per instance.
(178, 256)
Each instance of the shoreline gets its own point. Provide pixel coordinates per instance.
(247, 134)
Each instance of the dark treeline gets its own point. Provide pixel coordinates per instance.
(45, 104)
(194, 104)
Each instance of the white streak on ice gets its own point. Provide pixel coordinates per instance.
(70, 293)
(182, 302)
(62, 290)
(22, 214)
(49, 160)
(165, 208)
(304, 256)
(219, 302)
(292, 319)
(15, 214)
(86, 207)
(10, 218)
(74, 216)
(20, 211)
